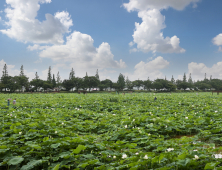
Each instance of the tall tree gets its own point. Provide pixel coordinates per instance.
(172, 80)
(97, 74)
(129, 84)
(53, 81)
(190, 79)
(121, 82)
(36, 76)
(184, 78)
(205, 76)
(86, 74)
(5, 71)
(58, 81)
(21, 71)
(49, 78)
(71, 74)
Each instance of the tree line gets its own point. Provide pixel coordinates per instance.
(22, 83)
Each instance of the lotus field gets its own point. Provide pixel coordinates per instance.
(108, 131)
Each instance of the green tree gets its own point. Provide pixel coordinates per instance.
(46, 85)
(137, 83)
(71, 74)
(148, 84)
(129, 84)
(183, 85)
(36, 76)
(184, 78)
(49, 78)
(97, 74)
(121, 82)
(58, 81)
(21, 71)
(77, 82)
(172, 80)
(105, 84)
(5, 71)
(23, 81)
(53, 81)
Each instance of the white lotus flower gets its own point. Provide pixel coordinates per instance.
(114, 157)
(170, 149)
(149, 134)
(124, 156)
(215, 111)
(196, 157)
(125, 126)
(114, 114)
(133, 120)
(194, 150)
(15, 116)
(166, 126)
(62, 123)
(55, 131)
(7, 114)
(145, 157)
(218, 156)
(13, 111)
(20, 133)
(186, 117)
(137, 153)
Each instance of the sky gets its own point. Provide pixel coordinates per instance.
(137, 38)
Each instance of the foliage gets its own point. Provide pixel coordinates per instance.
(109, 131)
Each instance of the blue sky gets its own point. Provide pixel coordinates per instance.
(91, 34)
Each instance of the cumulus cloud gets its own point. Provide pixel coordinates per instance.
(198, 70)
(157, 4)
(151, 69)
(80, 53)
(15, 72)
(148, 35)
(24, 27)
(218, 41)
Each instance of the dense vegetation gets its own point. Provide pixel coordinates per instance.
(109, 131)
(22, 82)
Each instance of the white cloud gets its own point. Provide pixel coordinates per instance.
(157, 4)
(198, 70)
(148, 35)
(24, 27)
(79, 53)
(36, 47)
(151, 69)
(218, 41)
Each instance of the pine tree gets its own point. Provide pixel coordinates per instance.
(72, 74)
(190, 79)
(5, 71)
(172, 80)
(165, 78)
(205, 77)
(49, 78)
(210, 77)
(97, 74)
(184, 78)
(53, 81)
(21, 71)
(36, 76)
(58, 79)
(121, 81)
(86, 74)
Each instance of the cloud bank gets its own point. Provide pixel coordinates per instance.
(148, 35)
